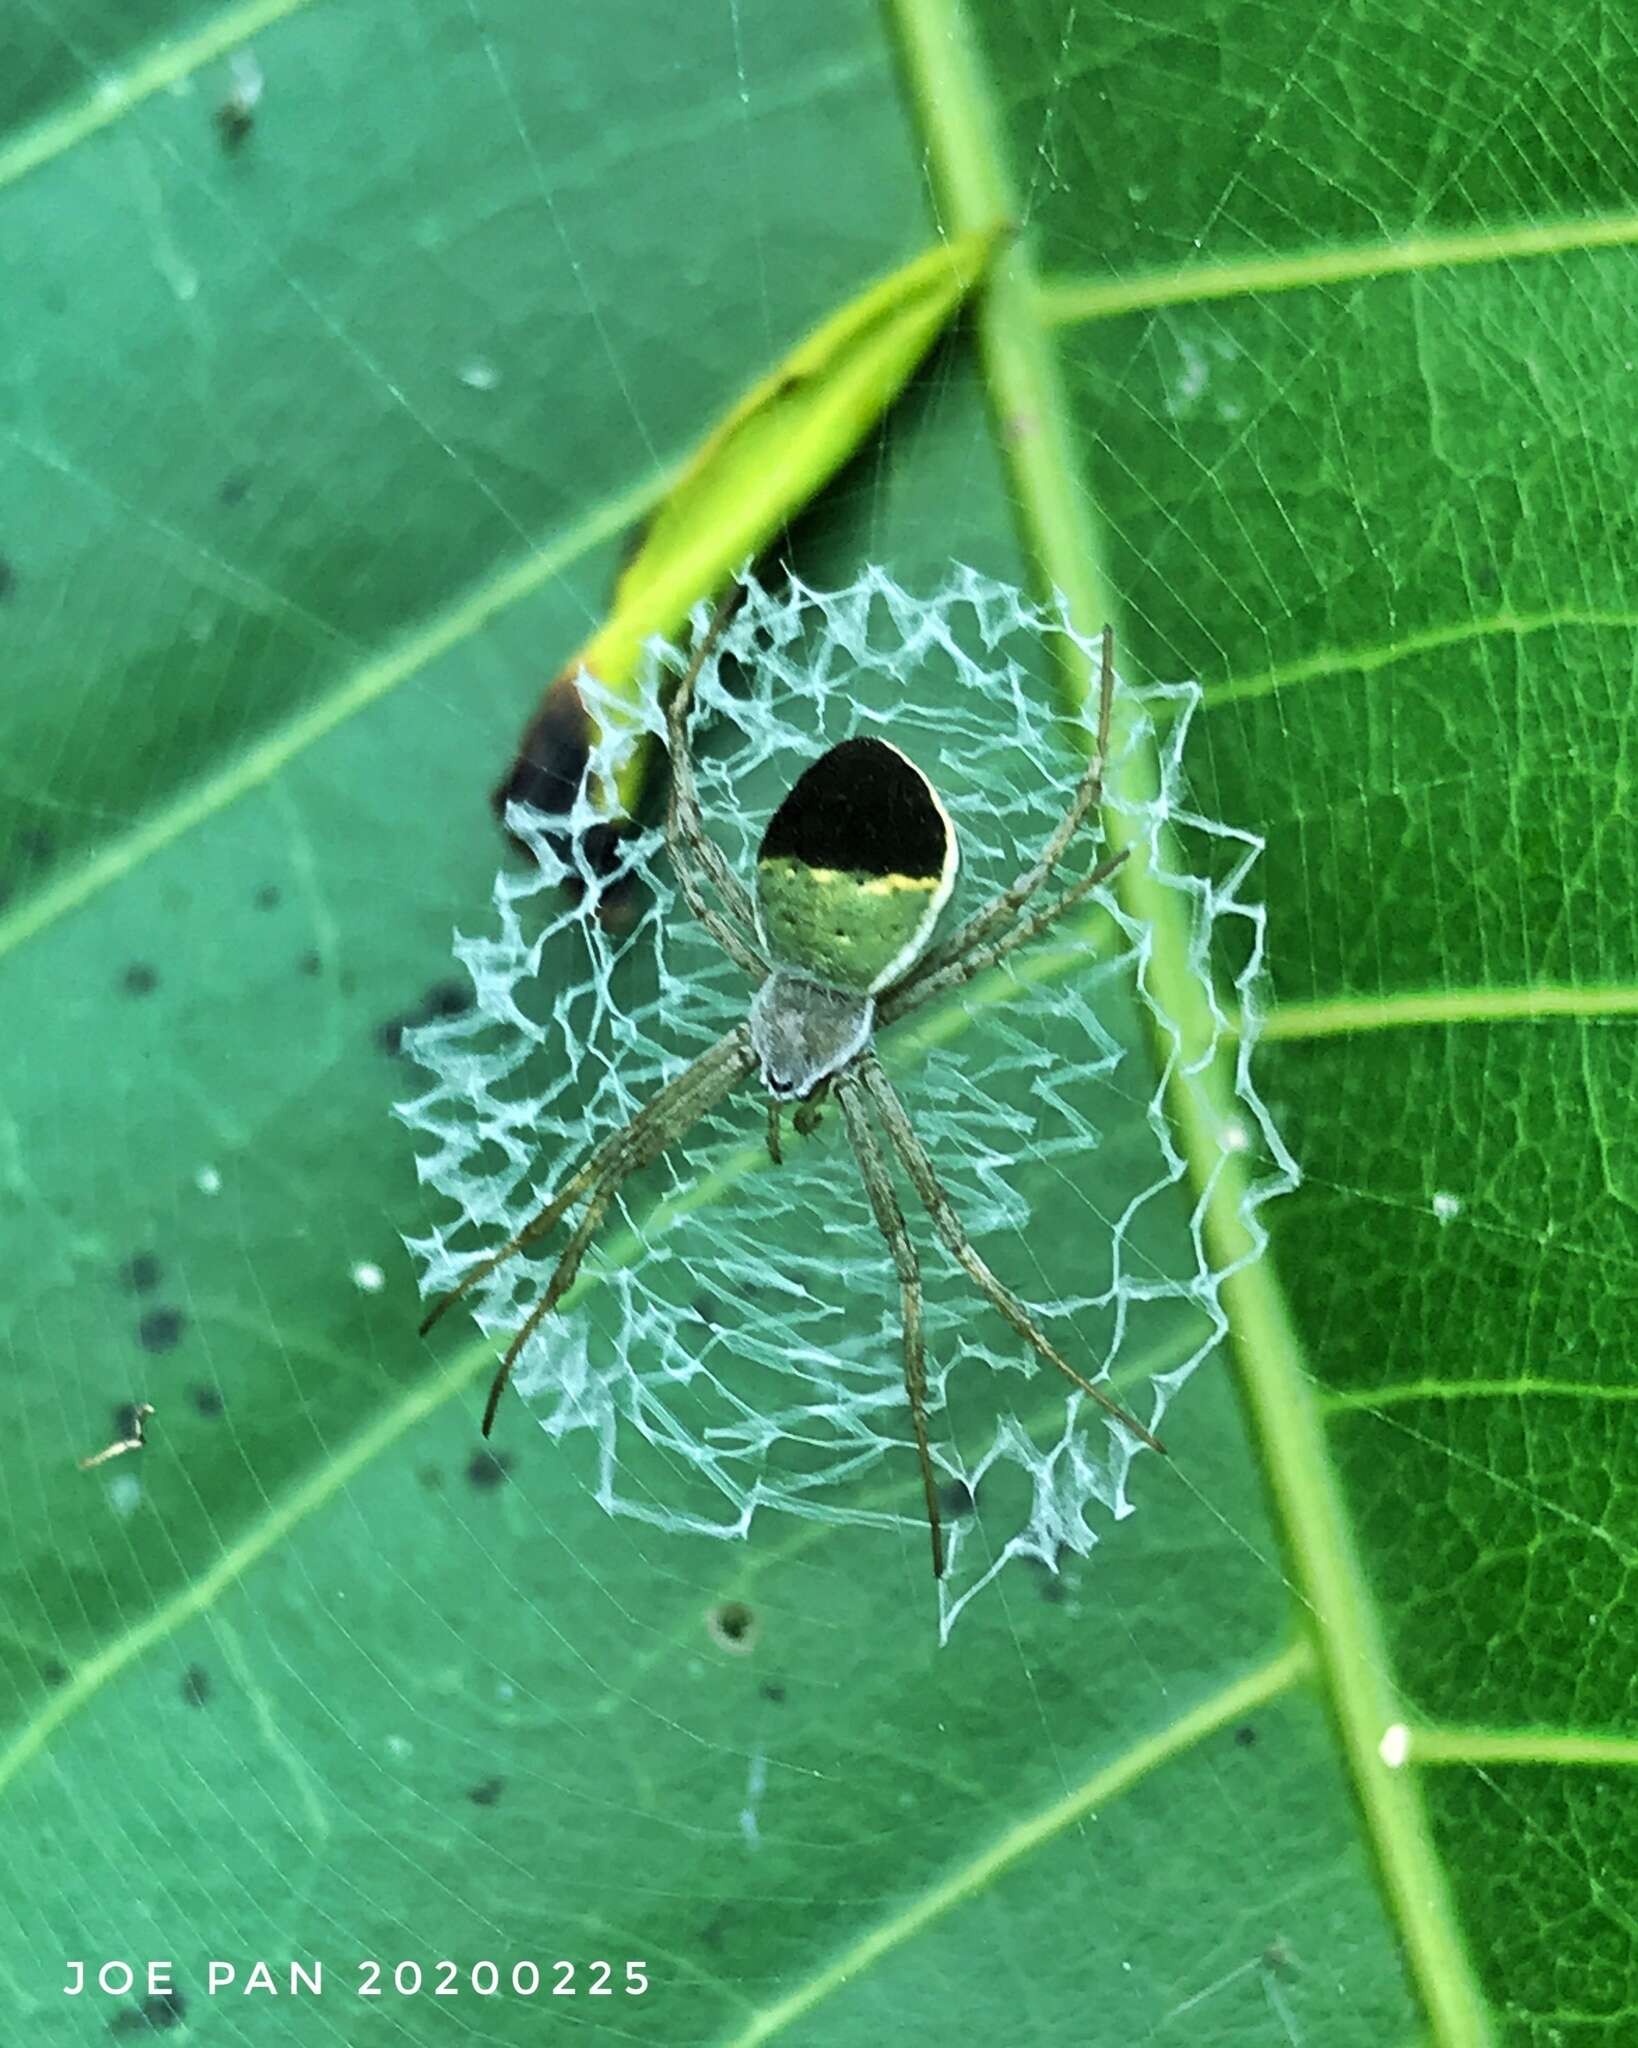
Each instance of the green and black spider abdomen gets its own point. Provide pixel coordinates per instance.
(855, 866)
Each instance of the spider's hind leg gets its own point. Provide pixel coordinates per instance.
(884, 1205)
(912, 1156)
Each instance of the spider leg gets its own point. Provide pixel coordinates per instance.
(889, 1216)
(730, 1054)
(692, 849)
(562, 1279)
(634, 1149)
(1088, 795)
(911, 994)
(913, 1156)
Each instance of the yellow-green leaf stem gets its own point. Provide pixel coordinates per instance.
(773, 450)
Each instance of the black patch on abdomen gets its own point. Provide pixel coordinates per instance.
(864, 808)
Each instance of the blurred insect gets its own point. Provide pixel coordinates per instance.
(236, 115)
(135, 1437)
(853, 871)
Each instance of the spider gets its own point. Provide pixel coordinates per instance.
(852, 874)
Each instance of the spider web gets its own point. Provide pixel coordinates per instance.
(742, 1353)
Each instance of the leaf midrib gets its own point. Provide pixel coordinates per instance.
(964, 140)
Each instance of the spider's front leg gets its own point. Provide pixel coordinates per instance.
(695, 856)
(694, 1094)
(992, 921)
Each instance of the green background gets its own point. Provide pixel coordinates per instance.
(317, 453)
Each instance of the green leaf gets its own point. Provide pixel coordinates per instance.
(1311, 369)
(752, 474)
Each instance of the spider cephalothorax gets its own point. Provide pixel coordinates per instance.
(853, 871)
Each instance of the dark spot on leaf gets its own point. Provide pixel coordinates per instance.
(208, 1400)
(139, 979)
(160, 1329)
(54, 1672)
(142, 1273)
(8, 579)
(714, 1929)
(430, 1477)
(488, 1792)
(33, 848)
(443, 999)
(1245, 1735)
(775, 1692)
(309, 963)
(267, 896)
(196, 1685)
(957, 1499)
(233, 490)
(234, 123)
(488, 1468)
(158, 2014)
(732, 1625)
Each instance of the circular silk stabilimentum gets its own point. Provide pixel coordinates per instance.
(731, 1350)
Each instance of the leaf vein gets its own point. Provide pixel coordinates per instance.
(1229, 1704)
(1526, 1387)
(355, 692)
(1333, 661)
(1068, 301)
(1344, 1016)
(1479, 1746)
